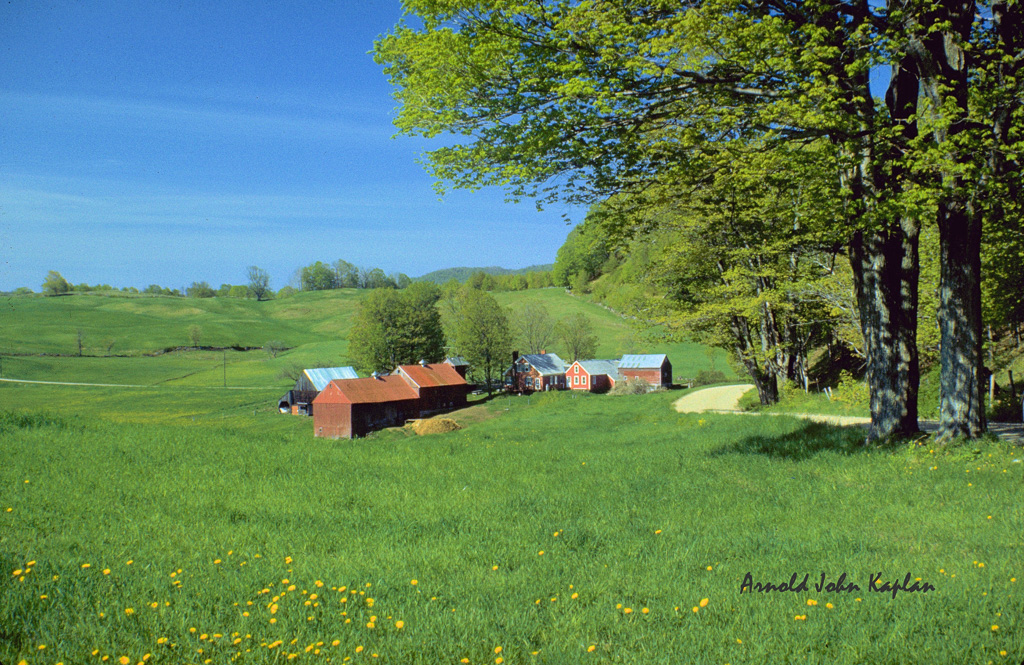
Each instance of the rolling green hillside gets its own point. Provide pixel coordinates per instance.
(144, 340)
(462, 274)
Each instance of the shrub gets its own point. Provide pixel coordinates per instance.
(635, 386)
(708, 376)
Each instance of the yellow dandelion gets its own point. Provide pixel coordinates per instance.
(129, 611)
(497, 649)
(86, 565)
(335, 643)
(106, 571)
(575, 596)
(124, 660)
(414, 582)
(541, 553)
(657, 531)
(628, 610)
(812, 602)
(591, 648)
(161, 640)
(464, 660)
(359, 649)
(399, 625)
(499, 660)
(829, 605)
(216, 562)
(645, 610)
(710, 568)
(995, 627)
(703, 602)
(494, 567)
(696, 609)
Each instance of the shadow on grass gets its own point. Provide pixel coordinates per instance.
(806, 442)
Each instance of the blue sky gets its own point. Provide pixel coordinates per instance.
(171, 142)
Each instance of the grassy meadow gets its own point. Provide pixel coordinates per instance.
(524, 537)
(182, 522)
(141, 340)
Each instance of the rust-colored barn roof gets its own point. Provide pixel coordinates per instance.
(364, 391)
(431, 376)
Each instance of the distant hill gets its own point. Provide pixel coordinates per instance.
(462, 274)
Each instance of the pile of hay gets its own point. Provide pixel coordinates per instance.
(435, 426)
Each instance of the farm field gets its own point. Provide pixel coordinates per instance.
(144, 340)
(523, 538)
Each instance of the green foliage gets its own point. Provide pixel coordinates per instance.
(259, 283)
(395, 328)
(195, 334)
(482, 335)
(461, 275)
(850, 391)
(707, 377)
(317, 277)
(55, 284)
(576, 332)
(200, 290)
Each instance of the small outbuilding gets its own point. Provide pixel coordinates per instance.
(460, 364)
(654, 368)
(592, 375)
(299, 400)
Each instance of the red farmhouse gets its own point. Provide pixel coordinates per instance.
(535, 372)
(592, 375)
(349, 408)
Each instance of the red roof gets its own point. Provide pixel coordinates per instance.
(432, 376)
(362, 391)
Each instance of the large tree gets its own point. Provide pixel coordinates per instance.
(395, 328)
(482, 334)
(576, 332)
(584, 100)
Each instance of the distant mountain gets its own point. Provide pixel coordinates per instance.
(462, 274)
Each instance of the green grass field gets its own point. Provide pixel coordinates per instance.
(39, 337)
(183, 522)
(564, 529)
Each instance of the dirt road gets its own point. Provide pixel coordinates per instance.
(725, 399)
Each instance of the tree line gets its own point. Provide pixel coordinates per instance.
(749, 129)
(427, 322)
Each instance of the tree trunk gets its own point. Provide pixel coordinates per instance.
(764, 380)
(962, 391)
(885, 270)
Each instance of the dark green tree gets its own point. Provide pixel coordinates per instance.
(395, 328)
(482, 335)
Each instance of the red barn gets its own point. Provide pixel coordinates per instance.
(592, 375)
(655, 369)
(440, 387)
(348, 408)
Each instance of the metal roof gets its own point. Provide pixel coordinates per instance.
(545, 363)
(388, 388)
(456, 361)
(644, 361)
(321, 376)
(609, 367)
